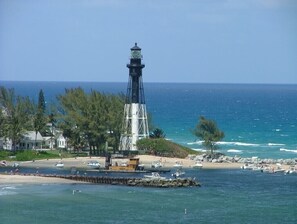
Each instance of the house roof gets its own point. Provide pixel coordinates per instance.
(31, 135)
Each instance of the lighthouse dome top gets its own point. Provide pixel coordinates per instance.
(135, 48)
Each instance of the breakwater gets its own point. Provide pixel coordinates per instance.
(138, 182)
(221, 158)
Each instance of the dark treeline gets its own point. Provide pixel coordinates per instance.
(86, 120)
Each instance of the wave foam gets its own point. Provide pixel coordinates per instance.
(234, 150)
(195, 143)
(237, 143)
(288, 150)
(199, 150)
(275, 144)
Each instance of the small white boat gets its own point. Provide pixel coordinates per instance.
(157, 165)
(178, 165)
(279, 169)
(178, 173)
(270, 169)
(291, 170)
(154, 176)
(59, 164)
(3, 163)
(15, 165)
(248, 166)
(197, 165)
(94, 164)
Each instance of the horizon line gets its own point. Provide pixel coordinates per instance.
(152, 82)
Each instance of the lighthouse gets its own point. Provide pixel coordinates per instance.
(135, 123)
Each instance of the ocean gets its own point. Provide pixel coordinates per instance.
(226, 196)
(258, 120)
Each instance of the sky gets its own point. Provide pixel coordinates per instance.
(192, 41)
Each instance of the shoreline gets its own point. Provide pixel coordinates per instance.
(146, 160)
(33, 179)
(81, 163)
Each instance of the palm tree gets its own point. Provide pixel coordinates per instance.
(208, 131)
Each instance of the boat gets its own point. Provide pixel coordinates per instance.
(157, 164)
(132, 166)
(59, 164)
(279, 169)
(178, 165)
(94, 164)
(178, 173)
(3, 163)
(248, 166)
(197, 165)
(270, 169)
(15, 165)
(154, 176)
(291, 171)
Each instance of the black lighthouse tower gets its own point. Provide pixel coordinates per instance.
(135, 125)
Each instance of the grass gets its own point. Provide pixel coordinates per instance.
(28, 155)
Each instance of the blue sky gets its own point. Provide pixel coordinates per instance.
(199, 41)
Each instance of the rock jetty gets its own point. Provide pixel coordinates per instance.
(137, 182)
(221, 158)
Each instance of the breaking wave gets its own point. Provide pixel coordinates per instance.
(234, 150)
(7, 190)
(237, 143)
(275, 144)
(288, 150)
(225, 143)
(199, 150)
(195, 143)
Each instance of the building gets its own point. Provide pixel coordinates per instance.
(135, 123)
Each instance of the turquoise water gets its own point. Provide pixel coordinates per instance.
(226, 196)
(258, 120)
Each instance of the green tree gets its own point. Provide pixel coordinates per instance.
(72, 119)
(39, 120)
(17, 115)
(208, 131)
(115, 119)
(91, 119)
(2, 121)
(157, 133)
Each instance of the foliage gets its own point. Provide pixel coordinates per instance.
(163, 147)
(2, 122)
(89, 120)
(39, 119)
(4, 154)
(157, 133)
(208, 131)
(17, 113)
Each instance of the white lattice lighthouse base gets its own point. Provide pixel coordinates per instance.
(135, 124)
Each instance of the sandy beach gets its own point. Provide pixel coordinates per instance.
(30, 179)
(147, 160)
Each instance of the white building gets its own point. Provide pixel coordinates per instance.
(5, 144)
(49, 142)
(61, 142)
(31, 141)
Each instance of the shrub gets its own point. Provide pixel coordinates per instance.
(163, 147)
